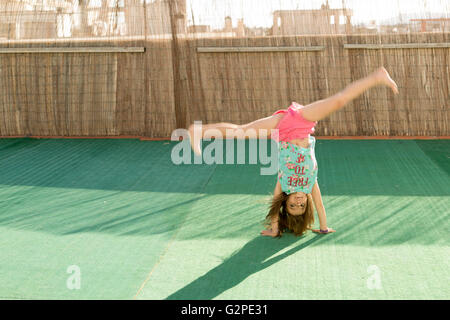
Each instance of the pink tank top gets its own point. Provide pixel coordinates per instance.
(293, 125)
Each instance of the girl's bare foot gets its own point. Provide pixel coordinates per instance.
(195, 135)
(383, 77)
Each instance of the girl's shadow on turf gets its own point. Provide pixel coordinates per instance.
(250, 259)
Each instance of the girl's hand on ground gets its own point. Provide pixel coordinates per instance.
(318, 231)
(269, 233)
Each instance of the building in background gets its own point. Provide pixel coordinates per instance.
(430, 25)
(239, 31)
(204, 31)
(199, 28)
(30, 19)
(318, 21)
(49, 19)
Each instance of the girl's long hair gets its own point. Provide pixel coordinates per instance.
(297, 224)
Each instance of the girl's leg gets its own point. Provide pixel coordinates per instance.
(320, 109)
(230, 130)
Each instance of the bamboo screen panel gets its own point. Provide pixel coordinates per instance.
(145, 68)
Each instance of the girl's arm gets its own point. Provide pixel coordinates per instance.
(317, 199)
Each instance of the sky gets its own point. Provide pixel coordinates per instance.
(258, 13)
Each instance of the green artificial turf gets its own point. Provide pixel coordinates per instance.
(138, 226)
